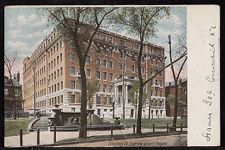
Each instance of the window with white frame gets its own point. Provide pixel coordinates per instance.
(104, 76)
(110, 64)
(98, 62)
(73, 98)
(104, 63)
(72, 70)
(98, 76)
(73, 84)
(98, 99)
(105, 101)
(88, 73)
(110, 76)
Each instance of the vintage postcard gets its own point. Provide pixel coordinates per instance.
(112, 76)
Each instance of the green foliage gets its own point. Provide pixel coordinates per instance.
(92, 88)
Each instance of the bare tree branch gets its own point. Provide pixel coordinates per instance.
(164, 68)
(181, 68)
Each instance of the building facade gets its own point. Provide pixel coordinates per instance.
(9, 103)
(52, 73)
(182, 98)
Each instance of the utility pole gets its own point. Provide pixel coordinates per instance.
(34, 67)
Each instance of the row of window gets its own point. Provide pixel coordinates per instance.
(41, 104)
(55, 87)
(40, 72)
(105, 88)
(56, 100)
(157, 103)
(55, 61)
(132, 45)
(104, 76)
(159, 93)
(50, 65)
(106, 100)
(72, 57)
(104, 63)
(40, 82)
(51, 77)
(51, 52)
(135, 69)
(157, 112)
(40, 93)
(55, 75)
(55, 48)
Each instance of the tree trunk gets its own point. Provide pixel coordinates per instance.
(175, 106)
(140, 108)
(149, 109)
(83, 115)
(136, 109)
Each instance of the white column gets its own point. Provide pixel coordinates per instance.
(126, 94)
(66, 101)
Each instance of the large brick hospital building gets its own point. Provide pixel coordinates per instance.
(52, 74)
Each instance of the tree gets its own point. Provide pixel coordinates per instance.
(9, 65)
(141, 21)
(92, 88)
(133, 95)
(78, 26)
(176, 79)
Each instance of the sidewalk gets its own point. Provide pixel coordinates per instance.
(165, 141)
(46, 137)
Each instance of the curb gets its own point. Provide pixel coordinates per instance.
(30, 125)
(107, 138)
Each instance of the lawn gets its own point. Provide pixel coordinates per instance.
(12, 127)
(159, 123)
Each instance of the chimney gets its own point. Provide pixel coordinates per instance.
(18, 77)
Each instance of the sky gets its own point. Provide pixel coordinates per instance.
(25, 29)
